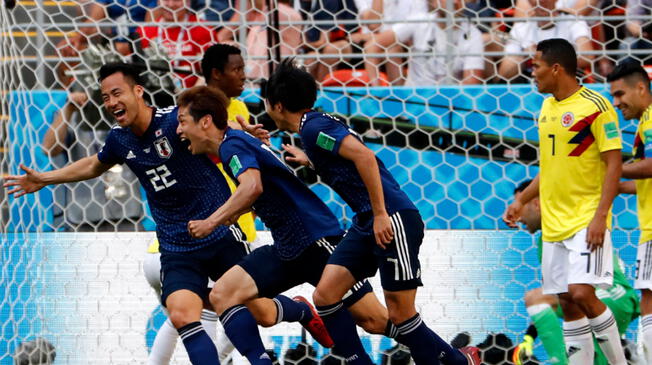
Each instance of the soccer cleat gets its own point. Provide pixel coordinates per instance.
(316, 325)
(523, 351)
(472, 354)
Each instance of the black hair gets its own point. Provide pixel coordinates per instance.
(561, 51)
(291, 86)
(629, 70)
(216, 57)
(204, 100)
(522, 186)
(130, 72)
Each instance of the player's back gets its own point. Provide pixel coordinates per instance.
(321, 136)
(295, 216)
(572, 135)
(180, 186)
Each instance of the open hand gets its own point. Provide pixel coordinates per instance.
(20, 185)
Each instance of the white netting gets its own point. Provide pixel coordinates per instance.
(439, 89)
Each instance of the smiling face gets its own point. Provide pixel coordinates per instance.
(627, 97)
(121, 98)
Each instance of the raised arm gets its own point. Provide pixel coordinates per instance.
(365, 162)
(250, 186)
(84, 169)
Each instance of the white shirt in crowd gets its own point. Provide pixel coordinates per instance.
(395, 10)
(431, 39)
(525, 35)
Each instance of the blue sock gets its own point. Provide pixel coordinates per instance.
(341, 327)
(201, 349)
(241, 328)
(425, 345)
(290, 310)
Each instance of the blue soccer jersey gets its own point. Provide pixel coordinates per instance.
(321, 136)
(180, 186)
(292, 212)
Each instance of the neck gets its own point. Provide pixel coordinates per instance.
(294, 120)
(143, 120)
(646, 102)
(565, 88)
(214, 140)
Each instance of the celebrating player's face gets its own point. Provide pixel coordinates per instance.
(120, 98)
(191, 131)
(625, 98)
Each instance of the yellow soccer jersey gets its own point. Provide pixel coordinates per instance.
(572, 134)
(642, 150)
(246, 221)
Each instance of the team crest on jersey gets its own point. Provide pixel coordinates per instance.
(567, 119)
(163, 147)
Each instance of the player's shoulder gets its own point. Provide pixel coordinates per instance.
(592, 100)
(318, 120)
(167, 112)
(646, 118)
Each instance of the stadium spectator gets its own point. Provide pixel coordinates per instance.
(386, 13)
(639, 29)
(214, 10)
(109, 204)
(524, 37)
(179, 41)
(257, 46)
(434, 58)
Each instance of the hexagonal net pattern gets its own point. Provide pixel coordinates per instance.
(440, 90)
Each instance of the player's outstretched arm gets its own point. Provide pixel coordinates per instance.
(255, 130)
(84, 169)
(249, 189)
(513, 212)
(638, 170)
(296, 155)
(598, 226)
(365, 162)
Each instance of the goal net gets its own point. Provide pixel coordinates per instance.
(440, 90)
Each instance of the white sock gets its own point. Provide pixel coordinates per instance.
(646, 323)
(209, 321)
(533, 310)
(606, 333)
(579, 342)
(164, 345)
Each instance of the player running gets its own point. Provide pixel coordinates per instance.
(387, 229)
(545, 311)
(580, 165)
(180, 187)
(630, 87)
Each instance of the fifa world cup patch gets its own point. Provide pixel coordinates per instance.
(611, 130)
(647, 136)
(235, 165)
(325, 141)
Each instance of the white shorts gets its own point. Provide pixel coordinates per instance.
(571, 262)
(643, 266)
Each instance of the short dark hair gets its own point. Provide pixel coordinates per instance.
(130, 72)
(561, 51)
(292, 86)
(216, 57)
(522, 186)
(204, 100)
(631, 71)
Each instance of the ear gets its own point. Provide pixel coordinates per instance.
(215, 74)
(139, 90)
(206, 121)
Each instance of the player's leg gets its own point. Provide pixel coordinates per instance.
(588, 270)
(400, 274)
(644, 283)
(576, 327)
(542, 311)
(184, 289)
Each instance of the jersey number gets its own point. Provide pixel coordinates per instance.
(159, 178)
(552, 137)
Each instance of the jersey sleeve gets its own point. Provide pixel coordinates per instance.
(405, 31)
(606, 131)
(646, 134)
(237, 158)
(325, 135)
(108, 153)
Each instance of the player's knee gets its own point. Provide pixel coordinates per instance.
(181, 317)
(321, 298)
(533, 297)
(582, 295)
(219, 299)
(372, 325)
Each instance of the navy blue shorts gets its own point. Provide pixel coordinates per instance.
(191, 270)
(274, 276)
(398, 264)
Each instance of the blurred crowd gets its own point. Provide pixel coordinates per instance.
(374, 42)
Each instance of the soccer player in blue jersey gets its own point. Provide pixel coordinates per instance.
(305, 231)
(180, 187)
(387, 229)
